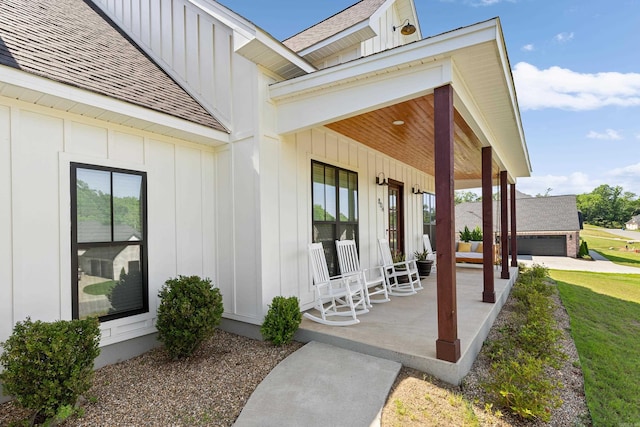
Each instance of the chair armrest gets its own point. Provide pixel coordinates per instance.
(373, 272)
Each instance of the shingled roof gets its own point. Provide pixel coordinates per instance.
(72, 42)
(534, 214)
(333, 25)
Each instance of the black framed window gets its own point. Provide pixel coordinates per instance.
(429, 217)
(335, 208)
(108, 242)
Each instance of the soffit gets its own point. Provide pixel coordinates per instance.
(413, 142)
(44, 93)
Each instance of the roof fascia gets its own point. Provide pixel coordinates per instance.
(506, 68)
(363, 27)
(371, 91)
(244, 32)
(24, 80)
(242, 39)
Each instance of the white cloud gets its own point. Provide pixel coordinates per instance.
(528, 47)
(628, 177)
(476, 3)
(564, 37)
(609, 134)
(562, 88)
(575, 183)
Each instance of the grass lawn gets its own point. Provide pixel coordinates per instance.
(102, 288)
(614, 247)
(605, 325)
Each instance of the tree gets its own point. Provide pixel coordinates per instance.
(466, 196)
(608, 206)
(546, 193)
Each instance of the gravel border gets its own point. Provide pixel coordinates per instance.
(209, 388)
(574, 410)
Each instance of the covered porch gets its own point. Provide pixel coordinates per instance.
(445, 107)
(405, 329)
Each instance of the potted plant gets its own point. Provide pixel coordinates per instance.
(397, 257)
(476, 234)
(465, 235)
(424, 264)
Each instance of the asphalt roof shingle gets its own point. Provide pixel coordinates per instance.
(72, 42)
(333, 25)
(553, 213)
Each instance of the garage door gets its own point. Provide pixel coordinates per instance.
(542, 245)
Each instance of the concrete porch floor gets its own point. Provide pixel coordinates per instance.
(405, 329)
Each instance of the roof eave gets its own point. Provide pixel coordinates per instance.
(499, 126)
(355, 34)
(260, 47)
(44, 92)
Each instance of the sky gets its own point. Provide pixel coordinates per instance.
(576, 68)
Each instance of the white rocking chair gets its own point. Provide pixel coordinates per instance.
(393, 272)
(371, 277)
(431, 255)
(335, 296)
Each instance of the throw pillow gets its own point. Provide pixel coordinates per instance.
(464, 247)
(479, 248)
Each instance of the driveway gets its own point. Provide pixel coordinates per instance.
(625, 234)
(599, 264)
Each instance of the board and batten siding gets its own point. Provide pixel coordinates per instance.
(36, 147)
(386, 38)
(295, 200)
(189, 43)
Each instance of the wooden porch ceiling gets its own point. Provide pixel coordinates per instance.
(413, 142)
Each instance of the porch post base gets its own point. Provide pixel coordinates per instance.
(447, 350)
(489, 296)
(505, 275)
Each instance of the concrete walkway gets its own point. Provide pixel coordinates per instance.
(599, 264)
(321, 385)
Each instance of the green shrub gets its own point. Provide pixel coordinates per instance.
(190, 309)
(282, 320)
(583, 251)
(536, 271)
(522, 385)
(526, 349)
(47, 366)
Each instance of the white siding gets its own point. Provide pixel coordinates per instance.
(225, 223)
(386, 38)
(36, 251)
(36, 147)
(246, 236)
(6, 262)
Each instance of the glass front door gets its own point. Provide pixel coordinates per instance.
(396, 217)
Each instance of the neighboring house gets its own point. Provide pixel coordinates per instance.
(545, 225)
(633, 223)
(108, 262)
(229, 152)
